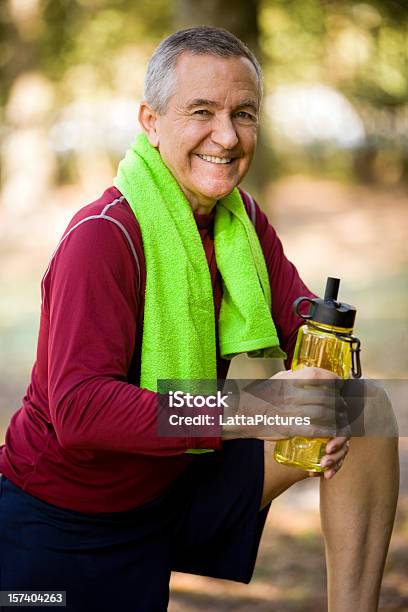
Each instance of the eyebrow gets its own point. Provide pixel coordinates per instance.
(248, 102)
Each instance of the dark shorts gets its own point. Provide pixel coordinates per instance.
(207, 523)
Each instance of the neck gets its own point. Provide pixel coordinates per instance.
(203, 210)
(199, 206)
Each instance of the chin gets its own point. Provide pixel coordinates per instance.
(217, 194)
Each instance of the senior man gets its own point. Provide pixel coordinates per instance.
(165, 276)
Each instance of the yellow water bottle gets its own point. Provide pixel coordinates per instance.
(325, 341)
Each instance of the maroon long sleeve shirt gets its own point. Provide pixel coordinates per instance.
(85, 436)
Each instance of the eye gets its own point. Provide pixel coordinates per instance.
(202, 112)
(248, 117)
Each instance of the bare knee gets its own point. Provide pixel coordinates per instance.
(379, 416)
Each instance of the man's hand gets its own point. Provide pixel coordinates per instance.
(304, 403)
(337, 448)
(294, 399)
(336, 451)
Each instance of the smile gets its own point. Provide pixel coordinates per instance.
(215, 160)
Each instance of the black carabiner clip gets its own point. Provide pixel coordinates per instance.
(355, 357)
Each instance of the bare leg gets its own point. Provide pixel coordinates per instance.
(277, 477)
(357, 513)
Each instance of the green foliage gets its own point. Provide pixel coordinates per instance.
(89, 31)
(359, 48)
(64, 33)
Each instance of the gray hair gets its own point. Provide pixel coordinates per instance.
(160, 80)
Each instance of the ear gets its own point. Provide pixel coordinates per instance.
(148, 122)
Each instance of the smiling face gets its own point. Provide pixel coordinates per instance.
(207, 135)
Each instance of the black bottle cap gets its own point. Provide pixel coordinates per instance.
(328, 310)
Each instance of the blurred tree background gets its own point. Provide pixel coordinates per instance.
(331, 172)
(84, 49)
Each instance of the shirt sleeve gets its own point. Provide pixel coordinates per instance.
(286, 285)
(92, 298)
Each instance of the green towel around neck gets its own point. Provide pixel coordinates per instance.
(179, 329)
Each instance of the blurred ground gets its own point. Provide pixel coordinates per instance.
(356, 233)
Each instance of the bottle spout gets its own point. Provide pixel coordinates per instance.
(332, 289)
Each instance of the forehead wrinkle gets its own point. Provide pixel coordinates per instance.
(245, 103)
(202, 102)
(249, 103)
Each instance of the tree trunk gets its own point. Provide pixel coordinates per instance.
(237, 16)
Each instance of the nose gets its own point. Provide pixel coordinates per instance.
(224, 133)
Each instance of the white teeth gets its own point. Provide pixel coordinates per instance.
(215, 160)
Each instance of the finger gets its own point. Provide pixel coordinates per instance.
(335, 459)
(320, 396)
(315, 375)
(334, 445)
(328, 474)
(320, 431)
